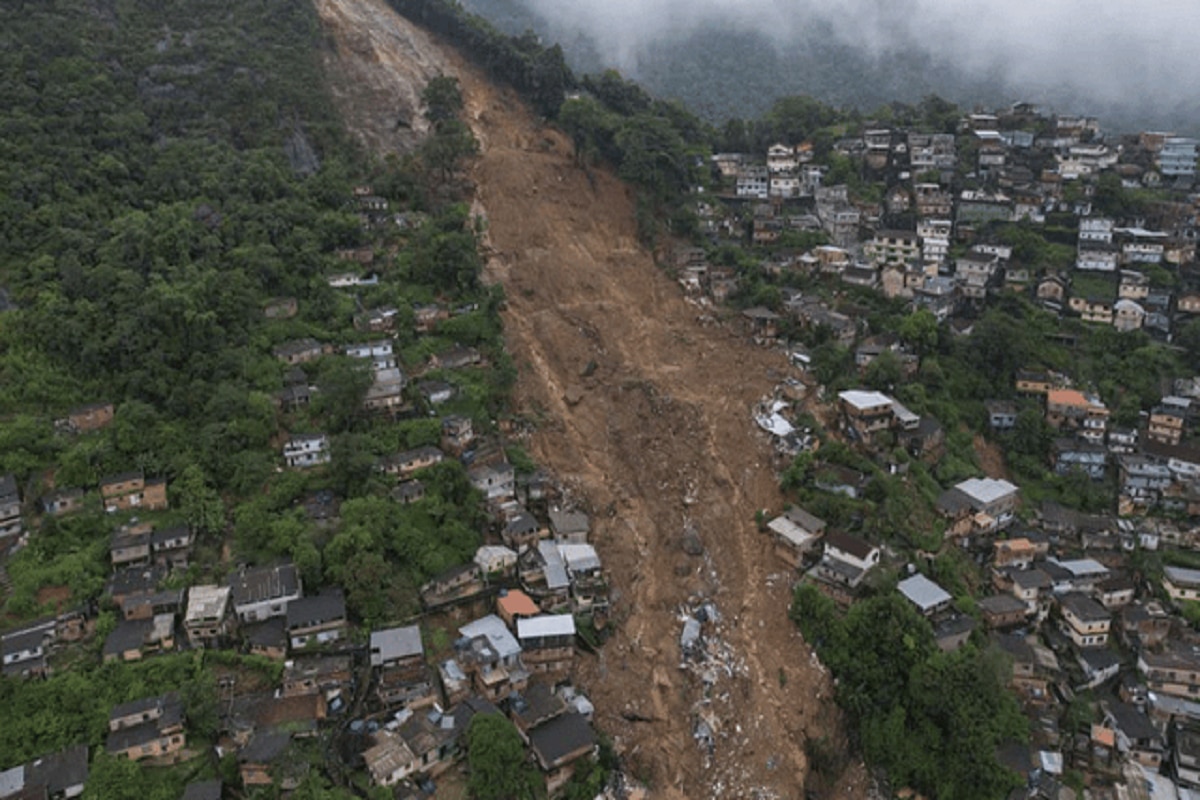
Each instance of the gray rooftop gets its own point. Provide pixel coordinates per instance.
(326, 607)
(1084, 607)
(1001, 604)
(1082, 567)
(556, 569)
(1031, 578)
(259, 584)
(565, 523)
(546, 625)
(560, 736)
(923, 593)
(579, 557)
(809, 522)
(203, 790)
(986, 490)
(395, 643)
(59, 771)
(496, 632)
(1181, 576)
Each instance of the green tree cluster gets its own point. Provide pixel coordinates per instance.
(932, 720)
(497, 764)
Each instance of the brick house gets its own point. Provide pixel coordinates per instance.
(131, 490)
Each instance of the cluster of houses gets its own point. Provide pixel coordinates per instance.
(1067, 599)
(551, 560)
(513, 661)
(125, 492)
(517, 661)
(55, 775)
(923, 240)
(386, 392)
(1072, 614)
(523, 594)
(1157, 466)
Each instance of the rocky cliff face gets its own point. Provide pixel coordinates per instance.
(641, 402)
(378, 64)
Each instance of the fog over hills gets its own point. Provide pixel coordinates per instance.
(1131, 64)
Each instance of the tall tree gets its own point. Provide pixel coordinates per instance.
(496, 758)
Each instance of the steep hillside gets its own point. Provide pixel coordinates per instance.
(643, 408)
(378, 64)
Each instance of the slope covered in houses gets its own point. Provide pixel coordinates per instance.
(992, 417)
(314, 568)
(266, 520)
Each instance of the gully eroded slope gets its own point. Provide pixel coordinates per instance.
(642, 406)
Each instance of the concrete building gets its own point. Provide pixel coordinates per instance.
(1177, 158)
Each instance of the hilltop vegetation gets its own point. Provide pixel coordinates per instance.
(170, 172)
(166, 172)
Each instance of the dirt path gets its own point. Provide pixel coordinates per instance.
(656, 435)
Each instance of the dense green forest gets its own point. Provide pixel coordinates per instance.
(167, 170)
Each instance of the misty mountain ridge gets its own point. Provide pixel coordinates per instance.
(723, 64)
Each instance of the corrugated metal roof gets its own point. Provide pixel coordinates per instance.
(546, 625)
(923, 593)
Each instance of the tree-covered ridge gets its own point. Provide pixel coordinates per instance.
(149, 202)
(177, 193)
(170, 172)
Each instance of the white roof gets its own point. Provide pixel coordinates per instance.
(494, 553)
(861, 399)
(775, 424)
(395, 643)
(207, 602)
(791, 531)
(453, 670)
(12, 780)
(545, 625)
(581, 705)
(497, 634)
(986, 490)
(1142, 232)
(579, 557)
(1158, 787)
(923, 593)
(1051, 762)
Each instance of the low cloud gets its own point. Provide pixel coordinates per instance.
(1107, 53)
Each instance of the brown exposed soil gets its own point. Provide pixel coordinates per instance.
(991, 457)
(56, 596)
(643, 409)
(378, 64)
